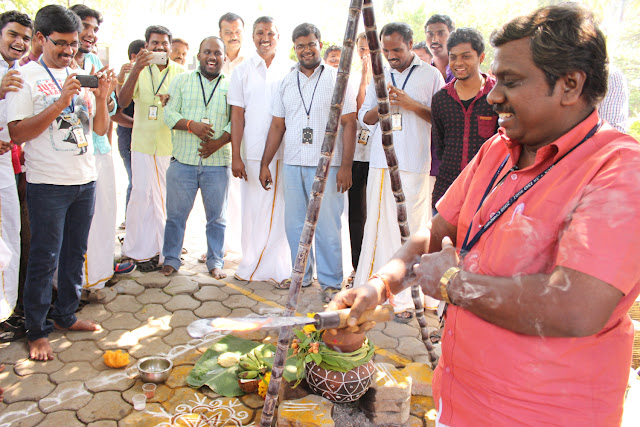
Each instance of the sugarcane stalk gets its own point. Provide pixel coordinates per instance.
(313, 210)
(384, 117)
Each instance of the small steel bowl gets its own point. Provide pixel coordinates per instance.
(154, 369)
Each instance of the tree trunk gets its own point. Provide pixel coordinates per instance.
(313, 210)
(392, 161)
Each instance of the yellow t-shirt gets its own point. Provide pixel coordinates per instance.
(152, 136)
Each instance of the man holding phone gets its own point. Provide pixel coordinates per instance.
(54, 116)
(99, 267)
(148, 85)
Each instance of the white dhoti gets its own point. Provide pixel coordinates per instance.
(146, 211)
(98, 264)
(265, 250)
(10, 229)
(381, 238)
(233, 232)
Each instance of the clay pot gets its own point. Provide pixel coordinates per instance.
(343, 341)
(340, 386)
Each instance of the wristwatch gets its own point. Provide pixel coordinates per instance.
(446, 278)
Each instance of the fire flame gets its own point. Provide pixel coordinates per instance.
(225, 324)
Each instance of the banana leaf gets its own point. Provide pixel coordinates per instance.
(224, 381)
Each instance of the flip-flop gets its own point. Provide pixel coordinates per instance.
(404, 317)
(202, 259)
(286, 284)
(328, 294)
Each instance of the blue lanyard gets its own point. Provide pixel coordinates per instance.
(308, 111)
(155, 92)
(468, 245)
(70, 108)
(393, 79)
(206, 102)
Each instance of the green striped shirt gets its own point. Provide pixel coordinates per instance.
(187, 102)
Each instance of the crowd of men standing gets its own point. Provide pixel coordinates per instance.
(258, 118)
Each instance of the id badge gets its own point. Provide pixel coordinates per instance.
(80, 138)
(307, 136)
(396, 122)
(205, 120)
(153, 112)
(363, 136)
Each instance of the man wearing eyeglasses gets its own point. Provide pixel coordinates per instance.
(148, 85)
(300, 109)
(54, 116)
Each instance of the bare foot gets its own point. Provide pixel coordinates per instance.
(167, 270)
(80, 325)
(40, 349)
(217, 273)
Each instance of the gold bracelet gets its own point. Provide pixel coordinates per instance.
(447, 277)
(120, 82)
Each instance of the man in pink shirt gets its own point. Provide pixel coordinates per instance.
(535, 245)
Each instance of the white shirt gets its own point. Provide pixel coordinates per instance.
(287, 103)
(229, 65)
(53, 157)
(252, 86)
(413, 143)
(7, 177)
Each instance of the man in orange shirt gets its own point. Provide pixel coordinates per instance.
(535, 245)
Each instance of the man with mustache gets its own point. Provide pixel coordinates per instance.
(535, 248)
(179, 51)
(147, 85)
(54, 116)
(99, 266)
(300, 112)
(16, 30)
(232, 33)
(265, 250)
(437, 30)
(412, 84)
(198, 113)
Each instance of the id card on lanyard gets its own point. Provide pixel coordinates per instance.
(68, 113)
(307, 132)
(396, 118)
(205, 120)
(153, 109)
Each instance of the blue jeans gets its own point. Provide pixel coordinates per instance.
(60, 218)
(298, 181)
(126, 159)
(183, 182)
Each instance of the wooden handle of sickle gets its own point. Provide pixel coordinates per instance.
(338, 319)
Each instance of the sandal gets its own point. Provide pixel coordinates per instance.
(404, 317)
(149, 266)
(202, 259)
(436, 335)
(286, 284)
(328, 294)
(12, 329)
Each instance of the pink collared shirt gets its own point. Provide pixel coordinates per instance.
(582, 215)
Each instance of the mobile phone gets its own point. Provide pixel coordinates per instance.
(159, 58)
(87, 80)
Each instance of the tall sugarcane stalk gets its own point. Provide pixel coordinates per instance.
(384, 117)
(313, 210)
